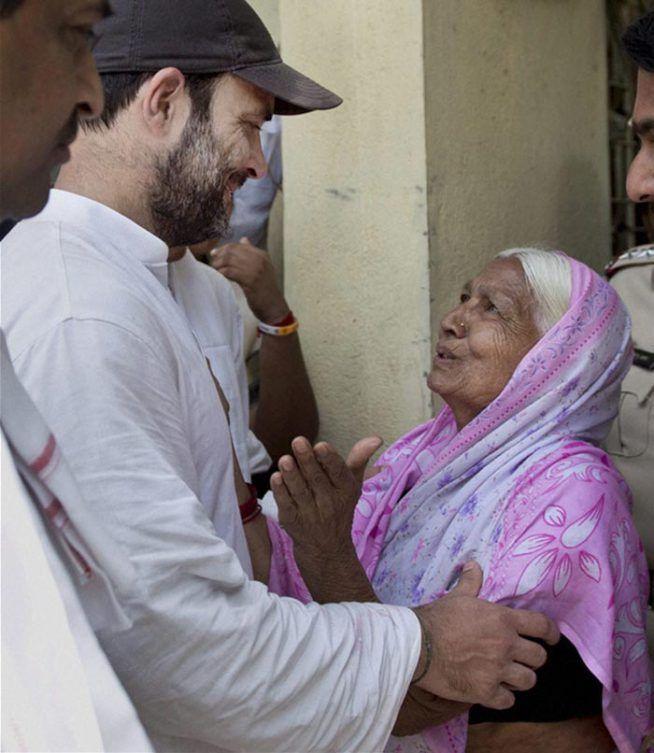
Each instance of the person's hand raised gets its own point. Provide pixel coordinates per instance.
(316, 492)
(253, 270)
(480, 652)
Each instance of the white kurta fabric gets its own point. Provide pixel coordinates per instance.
(208, 302)
(59, 692)
(212, 661)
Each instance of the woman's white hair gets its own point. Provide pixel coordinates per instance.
(549, 277)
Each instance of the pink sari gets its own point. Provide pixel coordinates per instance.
(524, 490)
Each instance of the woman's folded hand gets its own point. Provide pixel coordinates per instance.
(316, 492)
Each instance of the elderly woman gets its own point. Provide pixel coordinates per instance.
(509, 474)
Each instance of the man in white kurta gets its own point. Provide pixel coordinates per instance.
(212, 660)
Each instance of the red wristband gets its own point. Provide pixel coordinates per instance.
(288, 319)
(250, 510)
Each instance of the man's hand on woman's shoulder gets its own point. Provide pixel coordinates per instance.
(480, 652)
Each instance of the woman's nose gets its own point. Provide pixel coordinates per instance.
(453, 324)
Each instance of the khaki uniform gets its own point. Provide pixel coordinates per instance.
(631, 440)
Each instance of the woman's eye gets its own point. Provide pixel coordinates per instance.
(490, 306)
(464, 297)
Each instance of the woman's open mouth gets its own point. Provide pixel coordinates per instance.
(443, 355)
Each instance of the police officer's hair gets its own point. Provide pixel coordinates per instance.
(549, 277)
(638, 42)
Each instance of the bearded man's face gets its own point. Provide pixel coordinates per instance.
(191, 195)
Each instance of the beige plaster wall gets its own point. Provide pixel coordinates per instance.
(355, 221)
(468, 126)
(515, 102)
(268, 12)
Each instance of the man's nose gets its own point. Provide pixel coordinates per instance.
(640, 179)
(256, 166)
(90, 95)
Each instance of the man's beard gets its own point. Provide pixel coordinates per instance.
(188, 198)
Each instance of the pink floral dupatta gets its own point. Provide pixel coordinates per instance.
(524, 490)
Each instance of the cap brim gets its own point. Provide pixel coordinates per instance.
(294, 92)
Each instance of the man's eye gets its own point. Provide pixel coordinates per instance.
(91, 38)
(464, 297)
(490, 306)
(86, 35)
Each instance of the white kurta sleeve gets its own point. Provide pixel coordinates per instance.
(212, 657)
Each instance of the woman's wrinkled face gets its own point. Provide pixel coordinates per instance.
(483, 339)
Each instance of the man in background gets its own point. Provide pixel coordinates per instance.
(631, 442)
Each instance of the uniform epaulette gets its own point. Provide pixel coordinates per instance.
(634, 257)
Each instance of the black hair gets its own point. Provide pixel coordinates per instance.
(120, 90)
(638, 42)
(7, 7)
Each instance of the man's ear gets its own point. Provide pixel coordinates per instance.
(165, 107)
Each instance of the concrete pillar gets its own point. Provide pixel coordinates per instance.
(468, 126)
(355, 222)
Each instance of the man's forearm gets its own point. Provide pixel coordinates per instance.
(343, 579)
(287, 406)
(258, 540)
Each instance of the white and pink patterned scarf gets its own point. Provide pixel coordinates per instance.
(524, 490)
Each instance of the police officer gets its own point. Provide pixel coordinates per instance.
(631, 442)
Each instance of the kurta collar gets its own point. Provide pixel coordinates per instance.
(107, 224)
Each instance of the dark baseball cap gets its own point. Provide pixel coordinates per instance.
(204, 36)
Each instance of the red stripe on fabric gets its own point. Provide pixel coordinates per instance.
(53, 508)
(45, 457)
(82, 562)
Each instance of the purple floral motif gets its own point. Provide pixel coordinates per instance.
(446, 479)
(554, 515)
(457, 544)
(417, 591)
(590, 566)
(576, 533)
(643, 693)
(624, 623)
(535, 572)
(469, 506)
(533, 544)
(571, 386)
(562, 575)
(637, 650)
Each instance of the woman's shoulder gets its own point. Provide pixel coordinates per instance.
(574, 466)
(570, 497)
(571, 506)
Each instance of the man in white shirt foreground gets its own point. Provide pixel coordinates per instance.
(59, 692)
(211, 659)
